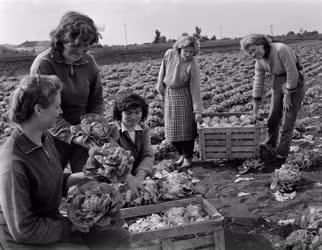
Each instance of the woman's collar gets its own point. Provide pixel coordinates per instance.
(58, 57)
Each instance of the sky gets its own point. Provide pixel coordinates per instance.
(135, 21)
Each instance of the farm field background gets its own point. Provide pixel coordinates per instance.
(227, 78)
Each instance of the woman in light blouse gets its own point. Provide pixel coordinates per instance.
(179, 86)
(287, 90)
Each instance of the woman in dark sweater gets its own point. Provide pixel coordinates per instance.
(31, 177)
(82, 89)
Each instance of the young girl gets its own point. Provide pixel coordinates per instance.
(179, 85)
(129, 112)
(287, 90)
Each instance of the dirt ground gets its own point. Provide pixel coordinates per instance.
(251, 220)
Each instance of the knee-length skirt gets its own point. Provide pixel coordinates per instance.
(178, 115)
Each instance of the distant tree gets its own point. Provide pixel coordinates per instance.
(163, 39)
(197, 33)
(185, 34)
(204, 38)
(213, 37)
(157, 36)
(171, 40)
(290, 33)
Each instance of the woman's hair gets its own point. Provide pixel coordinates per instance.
(187, 41)
(125, 100)
(256, 39)
(74, 27)
(32, 90)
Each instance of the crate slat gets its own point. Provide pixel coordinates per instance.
(241, 136)
(219, 238)
(215, 149)
(156, 208)
(147, 247)
(193, 242)
(242, 155)
(242, 143)
(215, 143)
(212, 155)
(214, 136)
(243, 149)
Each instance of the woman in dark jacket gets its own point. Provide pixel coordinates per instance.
(32, 180)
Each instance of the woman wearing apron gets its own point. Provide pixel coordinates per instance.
(179, 86)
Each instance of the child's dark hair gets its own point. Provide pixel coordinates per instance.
(127, 100)
(32, 90)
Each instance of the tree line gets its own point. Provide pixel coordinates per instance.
(202, 38)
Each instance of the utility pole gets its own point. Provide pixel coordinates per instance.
(271, 26)
(220, 32)
(125, 35)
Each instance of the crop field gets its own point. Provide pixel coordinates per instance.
(226, 85)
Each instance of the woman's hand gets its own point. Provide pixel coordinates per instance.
(161, 97)
(135, 184)
(198, 118)
(287, 102)
(75, 179)
(79, 140)
(255, 112)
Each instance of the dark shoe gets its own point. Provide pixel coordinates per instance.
(273, 162)
(180, 161)
(187, 163)
(281, 159)
(266, 152)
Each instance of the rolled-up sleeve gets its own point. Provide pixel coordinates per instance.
(23, 224)
(195, 88)
(258, 86)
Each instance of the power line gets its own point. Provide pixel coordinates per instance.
(125, 33)
(271, 26)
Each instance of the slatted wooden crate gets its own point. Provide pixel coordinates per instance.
(199, 235)
(236, 142)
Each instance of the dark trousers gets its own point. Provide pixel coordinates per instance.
(185, 148)
(280, 124)
(73, 154)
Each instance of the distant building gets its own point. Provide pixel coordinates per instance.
(34, 46)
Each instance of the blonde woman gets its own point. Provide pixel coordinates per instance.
(287, 90)
(179, 86)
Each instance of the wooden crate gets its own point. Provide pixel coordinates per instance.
(237, 142)
(201, 235)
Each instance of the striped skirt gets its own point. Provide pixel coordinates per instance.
(178, 115)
